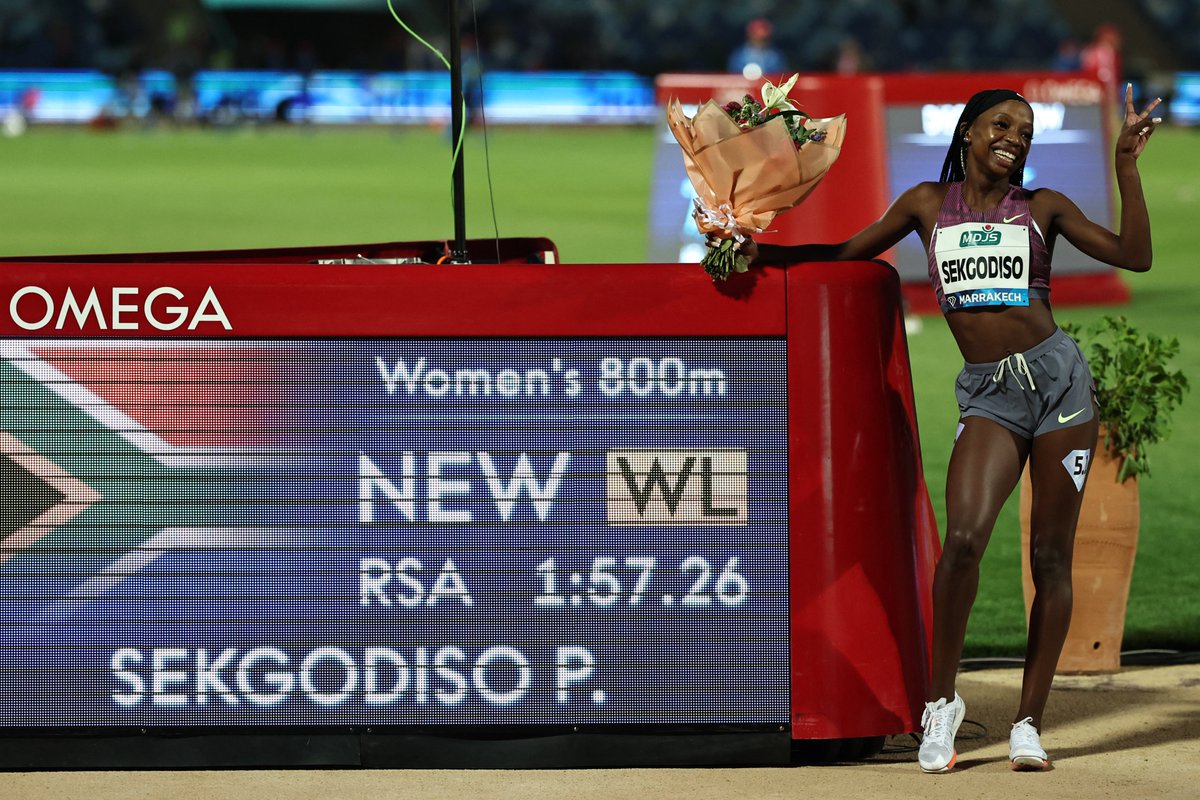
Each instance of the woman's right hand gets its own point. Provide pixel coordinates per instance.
(747, 247)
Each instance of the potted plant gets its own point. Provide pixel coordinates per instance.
(1137, 393)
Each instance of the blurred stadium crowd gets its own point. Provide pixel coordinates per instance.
(118, 36)
(1179, 22)
(685, 35)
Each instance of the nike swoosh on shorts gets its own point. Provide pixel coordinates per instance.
(1061, 418)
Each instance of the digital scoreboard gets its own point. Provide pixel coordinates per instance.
(335, 492)
(393, 531)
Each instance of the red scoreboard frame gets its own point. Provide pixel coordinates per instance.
(862, 536)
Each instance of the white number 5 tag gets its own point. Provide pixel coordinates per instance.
(1077, 462)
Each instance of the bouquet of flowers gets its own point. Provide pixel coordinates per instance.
(750, 161)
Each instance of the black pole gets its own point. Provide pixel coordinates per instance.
(458, 255)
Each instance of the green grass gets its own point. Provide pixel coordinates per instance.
(76, 191)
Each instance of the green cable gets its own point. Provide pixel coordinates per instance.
(413, 34)
(462, 132)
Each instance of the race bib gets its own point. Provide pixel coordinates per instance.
(984, 264)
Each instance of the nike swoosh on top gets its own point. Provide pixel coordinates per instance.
(1010, 219)
(1061, 418)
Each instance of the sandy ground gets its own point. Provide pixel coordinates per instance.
(1134, 734)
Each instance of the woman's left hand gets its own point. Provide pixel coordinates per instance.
(1137, 129)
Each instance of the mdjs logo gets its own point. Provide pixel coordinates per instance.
(984, 237)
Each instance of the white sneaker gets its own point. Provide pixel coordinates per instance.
(941, 721)
(1025, 748)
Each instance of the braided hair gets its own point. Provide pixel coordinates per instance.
(955, 168)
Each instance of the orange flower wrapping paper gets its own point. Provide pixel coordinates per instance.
(745, 177)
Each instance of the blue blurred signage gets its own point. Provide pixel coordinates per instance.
(330, 97)
(1184, 107)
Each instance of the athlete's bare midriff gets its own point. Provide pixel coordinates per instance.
(990, 334)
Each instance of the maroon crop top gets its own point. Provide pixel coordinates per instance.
(991, 258)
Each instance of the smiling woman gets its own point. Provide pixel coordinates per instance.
(1025, 393)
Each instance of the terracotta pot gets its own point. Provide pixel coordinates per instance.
(1105, 547)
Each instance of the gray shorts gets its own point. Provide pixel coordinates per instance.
(1046, 388)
